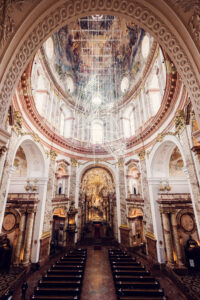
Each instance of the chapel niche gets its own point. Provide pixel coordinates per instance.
(135, 219)
(133, 178)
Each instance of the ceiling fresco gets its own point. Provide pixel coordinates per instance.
(97, 60)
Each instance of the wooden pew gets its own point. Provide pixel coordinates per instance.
(131, 272)
(64, 291)
(52, 277)
(52, 297)
(67, 267)
(60, 284)
(143, 278)
(137, 284)
(140, 292)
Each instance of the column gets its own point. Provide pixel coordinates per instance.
(176, 239)
(146, 195)
(167, 237)
(122, 192)
(20, 238)
(28, 237)
(48, 214)
(74, 164)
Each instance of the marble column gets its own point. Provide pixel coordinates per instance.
(167, 237)
(122, 192)
(146, 195)
(28, 237)
(20, 238)
(74, 165)
(48, 215)
(176, 239)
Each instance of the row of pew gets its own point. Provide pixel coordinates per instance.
(132, 280)
(64, 279)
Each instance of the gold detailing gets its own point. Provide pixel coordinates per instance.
(124, 226)
(31, 187)
(170, 68)
(160, 137)
(45, 235)
(18, 122)
(121, 162)
(179, 121)
(97, 160)
(141, 155)
(150, 235)
(161, 187)
(168, 187)
(53, 154)
(35, 137)
(74, 162)
(164, 187)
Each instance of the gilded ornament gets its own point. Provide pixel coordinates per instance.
(150, 235)
(121, 162)
(18, 122)
(74, 162)
(141, 155)
(161, 186)
(53, 154)
(179, 121)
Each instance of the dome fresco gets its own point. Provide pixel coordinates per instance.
(97, 60)
(98, 81)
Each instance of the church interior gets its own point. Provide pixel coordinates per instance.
(100, 150)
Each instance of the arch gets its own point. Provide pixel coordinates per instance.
(160, 157)
(35, 157)
(160, 21)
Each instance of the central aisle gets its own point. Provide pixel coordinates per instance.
(98, 282)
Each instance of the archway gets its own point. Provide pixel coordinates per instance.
(26, 191)
(169, 31)
(171, 197)
(97, 193)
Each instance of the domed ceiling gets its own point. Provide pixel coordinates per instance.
(97, 60)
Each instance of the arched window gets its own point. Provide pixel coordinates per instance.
(62, 123)
(154, 93)
(97, 132)
(128, 122)
(68, 119)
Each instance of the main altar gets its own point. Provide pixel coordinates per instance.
(97, 192)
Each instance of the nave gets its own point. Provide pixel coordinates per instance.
(100, 280)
